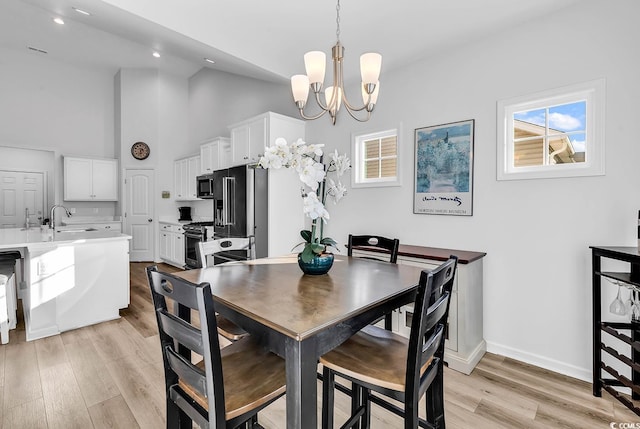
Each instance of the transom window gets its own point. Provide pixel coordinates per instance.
(558, 133)
(375, 159)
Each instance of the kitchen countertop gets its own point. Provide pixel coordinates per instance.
(17, 237)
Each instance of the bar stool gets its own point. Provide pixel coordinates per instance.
(14, 257)
(8, 305)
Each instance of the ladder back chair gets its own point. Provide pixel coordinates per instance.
(228, 387)
(226, 328)
(376, 242)
(402, 369)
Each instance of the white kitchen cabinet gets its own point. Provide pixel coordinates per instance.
(248, 141)
(285, 214)
(172, 244)
(214, 155)
(251, 136)
(87, 179)
(465, 345)
(185, 172)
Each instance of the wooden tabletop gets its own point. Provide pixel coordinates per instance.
(275, 292)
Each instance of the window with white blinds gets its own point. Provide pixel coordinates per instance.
(375, 159)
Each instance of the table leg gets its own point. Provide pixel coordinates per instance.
(301, 367)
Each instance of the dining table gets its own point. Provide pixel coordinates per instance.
(301, 317)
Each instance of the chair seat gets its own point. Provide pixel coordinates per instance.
(229, 330)
(252, 377)
(373, 355)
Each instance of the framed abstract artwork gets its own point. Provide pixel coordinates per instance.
(444, 169)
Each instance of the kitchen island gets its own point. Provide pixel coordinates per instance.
(71, 278)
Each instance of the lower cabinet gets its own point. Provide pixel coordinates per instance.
(74, 284)
(172, 244)
(465, 344)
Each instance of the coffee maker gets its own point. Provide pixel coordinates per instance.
(185, 213)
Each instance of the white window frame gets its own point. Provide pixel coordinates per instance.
(357, 155)
(593, 92)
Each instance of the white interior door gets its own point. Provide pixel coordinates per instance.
(138, 215)
(21, 191)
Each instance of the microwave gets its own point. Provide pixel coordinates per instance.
(204, 186)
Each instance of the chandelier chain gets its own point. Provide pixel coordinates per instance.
(338, 21)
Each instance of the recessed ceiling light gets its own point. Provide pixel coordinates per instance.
(84, 12)
(209, 60)
(41, 51)
(156, 54)
(58, 21)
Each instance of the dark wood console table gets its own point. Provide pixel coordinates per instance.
(465, 344)
(612, 377)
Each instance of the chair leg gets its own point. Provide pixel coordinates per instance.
(328, 391)
(356, 402)
(387, 322)
(366, 417)
(435, 401)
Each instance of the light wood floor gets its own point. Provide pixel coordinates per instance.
(110, 376)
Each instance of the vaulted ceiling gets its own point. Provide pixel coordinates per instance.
(258, 38)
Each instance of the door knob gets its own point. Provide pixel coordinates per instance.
(149, 220)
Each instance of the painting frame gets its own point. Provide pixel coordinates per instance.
(443, 175)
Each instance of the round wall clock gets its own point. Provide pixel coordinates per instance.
(140, 150)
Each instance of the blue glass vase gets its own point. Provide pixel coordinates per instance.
(320, 264)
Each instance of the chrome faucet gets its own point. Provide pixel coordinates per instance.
(52, 221)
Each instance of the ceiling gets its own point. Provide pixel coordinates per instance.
(256, 38)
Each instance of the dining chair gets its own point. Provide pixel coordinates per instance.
(226, 328)
(376, 243)
(229, 386)
(402, 369)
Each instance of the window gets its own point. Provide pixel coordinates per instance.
(375, 159)
(557, 133)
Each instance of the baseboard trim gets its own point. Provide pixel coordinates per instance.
(460, 364)
(540, 361)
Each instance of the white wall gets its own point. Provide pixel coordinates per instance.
(54, 106)
(218, 99)
(537, 285)
(153, 107)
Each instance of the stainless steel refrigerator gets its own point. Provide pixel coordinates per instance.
(240, 206)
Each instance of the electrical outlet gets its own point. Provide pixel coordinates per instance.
(42, 268)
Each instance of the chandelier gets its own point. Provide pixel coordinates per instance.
(335, 95)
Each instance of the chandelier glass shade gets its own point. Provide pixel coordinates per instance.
(335, 95)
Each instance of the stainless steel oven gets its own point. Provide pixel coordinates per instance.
(194, 233)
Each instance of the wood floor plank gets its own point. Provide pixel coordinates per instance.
(21, 375)
(111, 376)
(545, 389)
(113, 413)
(63, 401)
(29, 415)
(94, 380)
(143, 393)
(50, 352)
(76, 336)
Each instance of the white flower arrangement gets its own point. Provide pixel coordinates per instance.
(307, 161)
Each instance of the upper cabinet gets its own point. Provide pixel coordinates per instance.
(215, 155)
(87, 179)
(185, 172)
(250, 137)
